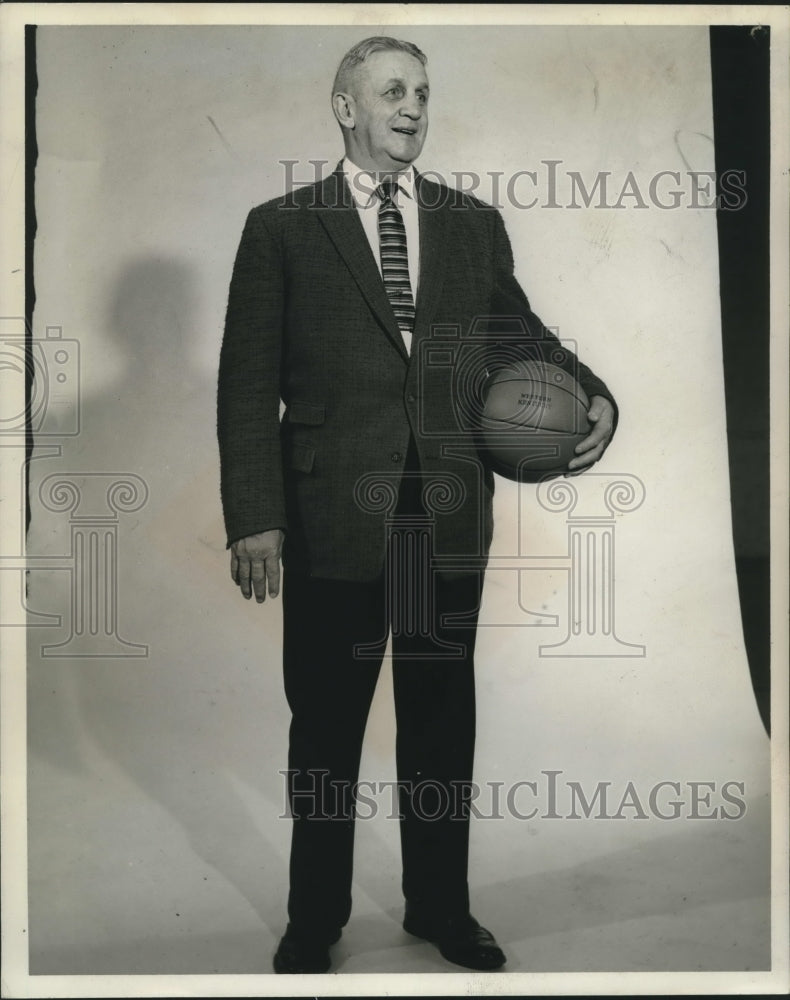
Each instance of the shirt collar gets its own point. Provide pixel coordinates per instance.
(363, 183)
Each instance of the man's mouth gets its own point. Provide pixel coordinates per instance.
(406, 131)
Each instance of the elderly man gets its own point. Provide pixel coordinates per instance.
(335, 290)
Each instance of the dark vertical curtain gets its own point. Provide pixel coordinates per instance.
(741, 116)
(31, 156)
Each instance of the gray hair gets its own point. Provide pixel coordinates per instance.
(360, 52)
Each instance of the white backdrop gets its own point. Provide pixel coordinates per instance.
(153, 145)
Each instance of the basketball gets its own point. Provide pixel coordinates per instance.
(534, 414)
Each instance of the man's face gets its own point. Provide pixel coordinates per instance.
(390, 109)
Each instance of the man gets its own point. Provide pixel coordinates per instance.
(336, 290)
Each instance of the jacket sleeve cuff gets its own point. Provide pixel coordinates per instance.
(255, 530)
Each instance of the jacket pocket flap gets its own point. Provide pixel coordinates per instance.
(302, 457)
(306, 413)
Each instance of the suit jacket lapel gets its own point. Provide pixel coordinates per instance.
(340, 218)
(433, 253)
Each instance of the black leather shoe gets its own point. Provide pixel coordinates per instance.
(462, 941)
(303, 952)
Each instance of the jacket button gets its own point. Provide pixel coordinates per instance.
(411, 397)
(395, 456)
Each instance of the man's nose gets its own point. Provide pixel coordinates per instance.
(411, 108)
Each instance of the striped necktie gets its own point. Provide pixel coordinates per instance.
(395, 259)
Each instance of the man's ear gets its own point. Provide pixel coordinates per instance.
(343, 106)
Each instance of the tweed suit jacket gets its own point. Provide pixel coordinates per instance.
(309, 323)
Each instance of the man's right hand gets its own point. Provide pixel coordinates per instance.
(255, 561)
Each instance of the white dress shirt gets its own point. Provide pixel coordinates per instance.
(362, 184)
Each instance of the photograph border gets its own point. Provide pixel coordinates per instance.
(16, 980)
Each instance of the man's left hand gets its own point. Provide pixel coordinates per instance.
(588, 451)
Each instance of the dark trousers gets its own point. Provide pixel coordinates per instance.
(334, 638)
